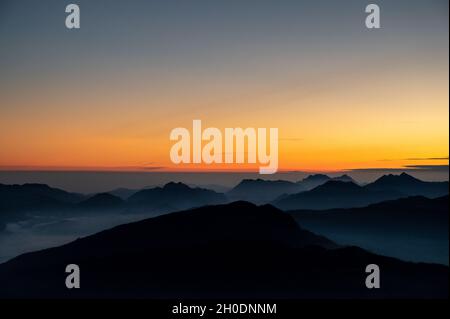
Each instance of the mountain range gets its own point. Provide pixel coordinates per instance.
(16, 201)
(409, 185)
(262, 191)
(28, 196)
(102, 201)
(312, 181)
(236, 250)
(413, 228)
(174, 196)
(335, 194)
(347, 194)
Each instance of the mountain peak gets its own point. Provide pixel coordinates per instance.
(315, 177)
(173, 196)
(344, 178)
(176, 186)
(409, 185)
(405, 175)
(392, 178)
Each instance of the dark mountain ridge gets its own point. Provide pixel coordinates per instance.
(34, 196)
(101, 201)
(335, 194)
(16, 201)
(409, 185)
(343, 193)
(314, 180)
(413, 228)
(174, 196)
(235, 250)
(262, 191)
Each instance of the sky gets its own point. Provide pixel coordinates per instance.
(106, 97)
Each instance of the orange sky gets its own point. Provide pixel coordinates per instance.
(332, 130)
(323, 126)
(96, 102)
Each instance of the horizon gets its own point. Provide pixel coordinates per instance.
(89, 182)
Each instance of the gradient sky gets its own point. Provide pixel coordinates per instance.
(106, 97)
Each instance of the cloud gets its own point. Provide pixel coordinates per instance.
(429, 167)
(427, 159)
(435, 168)
(416, 159)
(152, 168)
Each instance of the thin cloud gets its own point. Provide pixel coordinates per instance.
(427, 159)
(437, 168)
(415, 159)
(152, 168)
(429, 167)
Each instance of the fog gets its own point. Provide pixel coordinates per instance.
(403, 245)
(45, 230)
(42, 231)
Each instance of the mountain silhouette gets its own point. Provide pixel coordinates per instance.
(335, 194)
(237, 250)
(124, 193)
(214, 187)
(344, 178)
(409, 185)
(173, 196)
(18, 200)
(413, 228)
(312, 181)
(34, 196)
(102, 201)
(262, 191)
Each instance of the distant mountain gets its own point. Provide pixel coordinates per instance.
(414, 203)
(312, 181)
(335, 194)
(344, 178)
(123, 193)
(413, 228)
(174, 196)
(35, 197)
(102, 201)
(262, 191)
(214, 187)
(409, 185)
(18, 201)
(32, 191)
(237, 250)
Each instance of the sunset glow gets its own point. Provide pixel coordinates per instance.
(351, 100)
